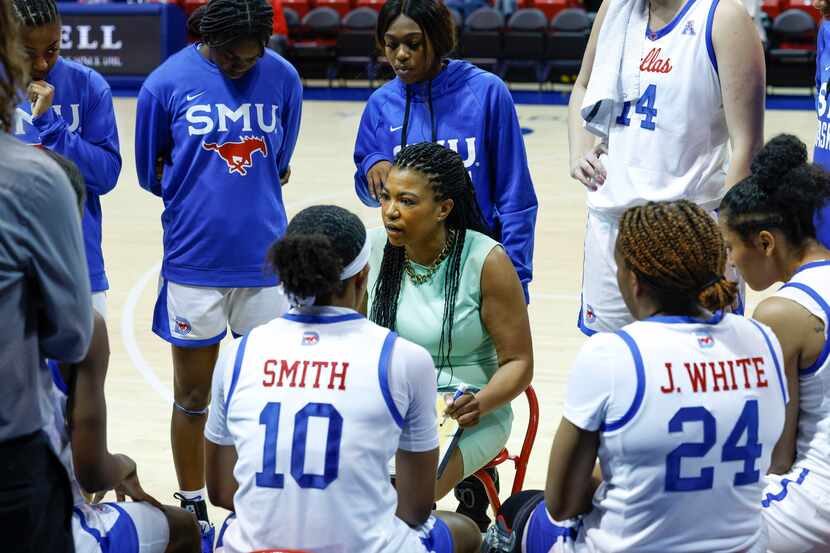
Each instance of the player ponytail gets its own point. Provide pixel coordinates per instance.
(432, 16)
(12, 68)
(678, 253)
(36, 13)
(445, 171)
(227, 21)
(319, 243)
(782, 193)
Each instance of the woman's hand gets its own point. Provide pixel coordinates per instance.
(588, 169)
(376, 177)
(129, 486)
(41, 94)
(464, 410)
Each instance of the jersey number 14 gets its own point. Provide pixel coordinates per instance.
(644, 106)
(270, 418)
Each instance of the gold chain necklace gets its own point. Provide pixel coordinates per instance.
(418, 279)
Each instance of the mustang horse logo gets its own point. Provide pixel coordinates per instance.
(238, 154)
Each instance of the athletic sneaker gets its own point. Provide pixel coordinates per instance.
(499, 538)
(208, 532)
(196, 506)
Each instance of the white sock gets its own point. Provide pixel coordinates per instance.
(196, 495)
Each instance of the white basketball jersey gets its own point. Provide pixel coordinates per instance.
(671, 144)
(308, 407)
(810, 288)
(683, 466)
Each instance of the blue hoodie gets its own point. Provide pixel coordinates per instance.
(225, 143)
(821, 154)
(473, 114)
(81, 127)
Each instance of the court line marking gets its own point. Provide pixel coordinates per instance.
(128, 337)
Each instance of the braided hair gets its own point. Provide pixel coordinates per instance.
(783, 192)
(12, 67)
(449, 179)
(36, 13)
(677, 251)
(318, 243)
(226, 21)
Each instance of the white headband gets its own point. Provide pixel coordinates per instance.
(348, 272)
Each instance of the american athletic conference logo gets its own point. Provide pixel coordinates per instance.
(239, 156)
(704, 340)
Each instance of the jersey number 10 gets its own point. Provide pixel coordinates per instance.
(270, 418)
(645, 106)
(748, 453)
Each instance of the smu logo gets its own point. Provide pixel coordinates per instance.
(239, 155)
(590, 316)
(182, 326)
(310, 339)
(469, 156)
(205, 118)
(704, 340)
(25, 117)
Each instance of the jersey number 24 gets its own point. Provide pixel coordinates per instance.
(270, 418)
(732, 451)
(645, 106)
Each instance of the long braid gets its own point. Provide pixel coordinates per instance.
(445, 171)
(225, 21)
(36, 13)
(12, 68)
(678, 251)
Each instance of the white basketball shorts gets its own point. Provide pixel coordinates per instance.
(197, 316)
(796, 508)
(119, 528)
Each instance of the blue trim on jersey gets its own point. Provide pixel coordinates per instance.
(826, 308)
(383, 377)
(641, 384)
(672, 24)
(237, 367)
(678, 319)
(774, 359)
(102, 540)
(542, 533)
(710, 48)
(439, 539)
(123, 536)
(57, 377)
(220, 541)
(785, 482)
(322, 319)
(812, 265)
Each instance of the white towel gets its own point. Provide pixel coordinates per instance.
(615, 75)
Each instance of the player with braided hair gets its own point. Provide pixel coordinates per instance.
(439, 280)
(682, 408)
(216, 125)
(768, 223)
(69, 110)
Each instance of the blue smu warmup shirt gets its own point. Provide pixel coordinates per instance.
(821, 154)
(225, 143)
(474, 115)
(80, 126)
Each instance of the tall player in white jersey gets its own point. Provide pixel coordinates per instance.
(682, 408)
(309, 409)
(699, 76)
(768, 224)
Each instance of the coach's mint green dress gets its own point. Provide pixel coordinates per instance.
(474, 357)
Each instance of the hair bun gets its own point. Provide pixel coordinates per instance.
(777, 158)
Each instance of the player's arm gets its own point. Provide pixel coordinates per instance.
(152, 141)
(412, 386)
(571, 481)
(582, 145)
(740, 60)
(787, 320)
(220, 451)
(291, 116)
(95, 148)
(504, 314)
(515, 198)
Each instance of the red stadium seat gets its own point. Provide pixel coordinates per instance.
(519, 462)
(342, 7)
(300, 7)
(374, 4)
(803, 5)
(772, 8)
(551, 7)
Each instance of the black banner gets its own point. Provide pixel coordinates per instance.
(113, 44)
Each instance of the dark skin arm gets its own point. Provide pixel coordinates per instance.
(504, 313)
(96, 468)
(415, 484)
(573, 474)
(221, 484)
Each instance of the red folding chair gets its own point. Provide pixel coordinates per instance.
(519, 462)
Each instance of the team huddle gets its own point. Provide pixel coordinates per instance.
(687, 426)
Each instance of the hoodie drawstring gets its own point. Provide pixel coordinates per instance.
(405, 129)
